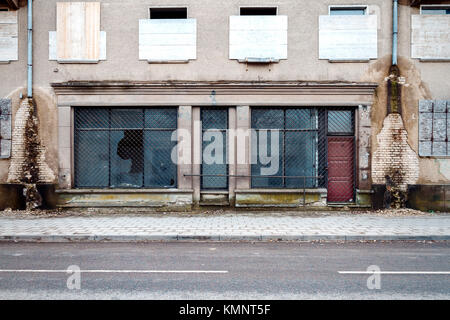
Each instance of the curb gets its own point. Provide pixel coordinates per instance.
(187, 238)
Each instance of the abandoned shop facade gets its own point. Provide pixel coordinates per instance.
(237, 103)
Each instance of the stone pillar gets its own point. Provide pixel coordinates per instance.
(231, 147)
(243, 165)
(196, 152)
(184, 147)
(364, 134)
(65, 147)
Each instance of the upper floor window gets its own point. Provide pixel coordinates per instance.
(347, 10)
(348, 33)
(169, 36)
(430, 33)
(78, 38)
(168, 13)
(9, 46)
(437, 9)
(258, 35)
(258, 11)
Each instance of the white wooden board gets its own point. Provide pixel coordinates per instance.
(8, 48)
(167, 39)
(53, 46)
(9, 45)
(348, 37)
(430, 37)
(261, 37)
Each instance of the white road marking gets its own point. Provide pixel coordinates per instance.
(113, 271)
(395, 272)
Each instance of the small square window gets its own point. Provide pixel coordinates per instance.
(258, 11)
(168, 13)
(348, 11)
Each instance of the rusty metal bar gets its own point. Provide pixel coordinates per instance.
(249, 176)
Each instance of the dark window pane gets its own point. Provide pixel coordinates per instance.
(126, 159)
(219, 167)
(160, 171)
(91, 159)
(126, 118)
(214, 119)
(161, 118)
(261, 11)
(168, 13)
(260, 169)
(267, 118)
(301, 119)
(340, 122)
(300, 158)
(214, 161)
(113, 155)
(92, 118)
(347, 11)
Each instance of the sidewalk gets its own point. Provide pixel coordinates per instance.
(227, 227)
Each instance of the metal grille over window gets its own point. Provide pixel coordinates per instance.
(214, 150)
(434, 128)
(304, 148)
(284, 144)
(125, 148)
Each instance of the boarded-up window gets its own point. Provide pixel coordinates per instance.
(5, 128)
(258, 38)
(434, 128)
(348, 37)
(8, 36)
(430, 37)
(167, 39)
(78, 37)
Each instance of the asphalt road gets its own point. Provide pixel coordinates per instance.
(214, 270)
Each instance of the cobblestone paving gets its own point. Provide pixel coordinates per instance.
(227, 227)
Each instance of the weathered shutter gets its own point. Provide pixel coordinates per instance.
(258, 37)
(78, 31)
(434, 128)
(348, 37)
(430, 37)
(5, 128)
(167, 39)
(8, 36)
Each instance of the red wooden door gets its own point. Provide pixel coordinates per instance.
(340, 169)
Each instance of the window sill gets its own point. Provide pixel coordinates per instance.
(118, 191)
(265, 190)
(74, 61)
(348, 60)
(167, 61)
(259, 60)
(434, 59)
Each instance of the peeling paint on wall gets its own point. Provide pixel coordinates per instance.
(444, 167)
(28, 164)
(394, 156)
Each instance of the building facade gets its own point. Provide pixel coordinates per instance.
(251, 103)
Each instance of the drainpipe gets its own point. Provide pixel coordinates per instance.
(394, 32)
(30, 49)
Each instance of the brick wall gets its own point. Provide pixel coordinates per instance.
(394, 156)
(27, 165)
